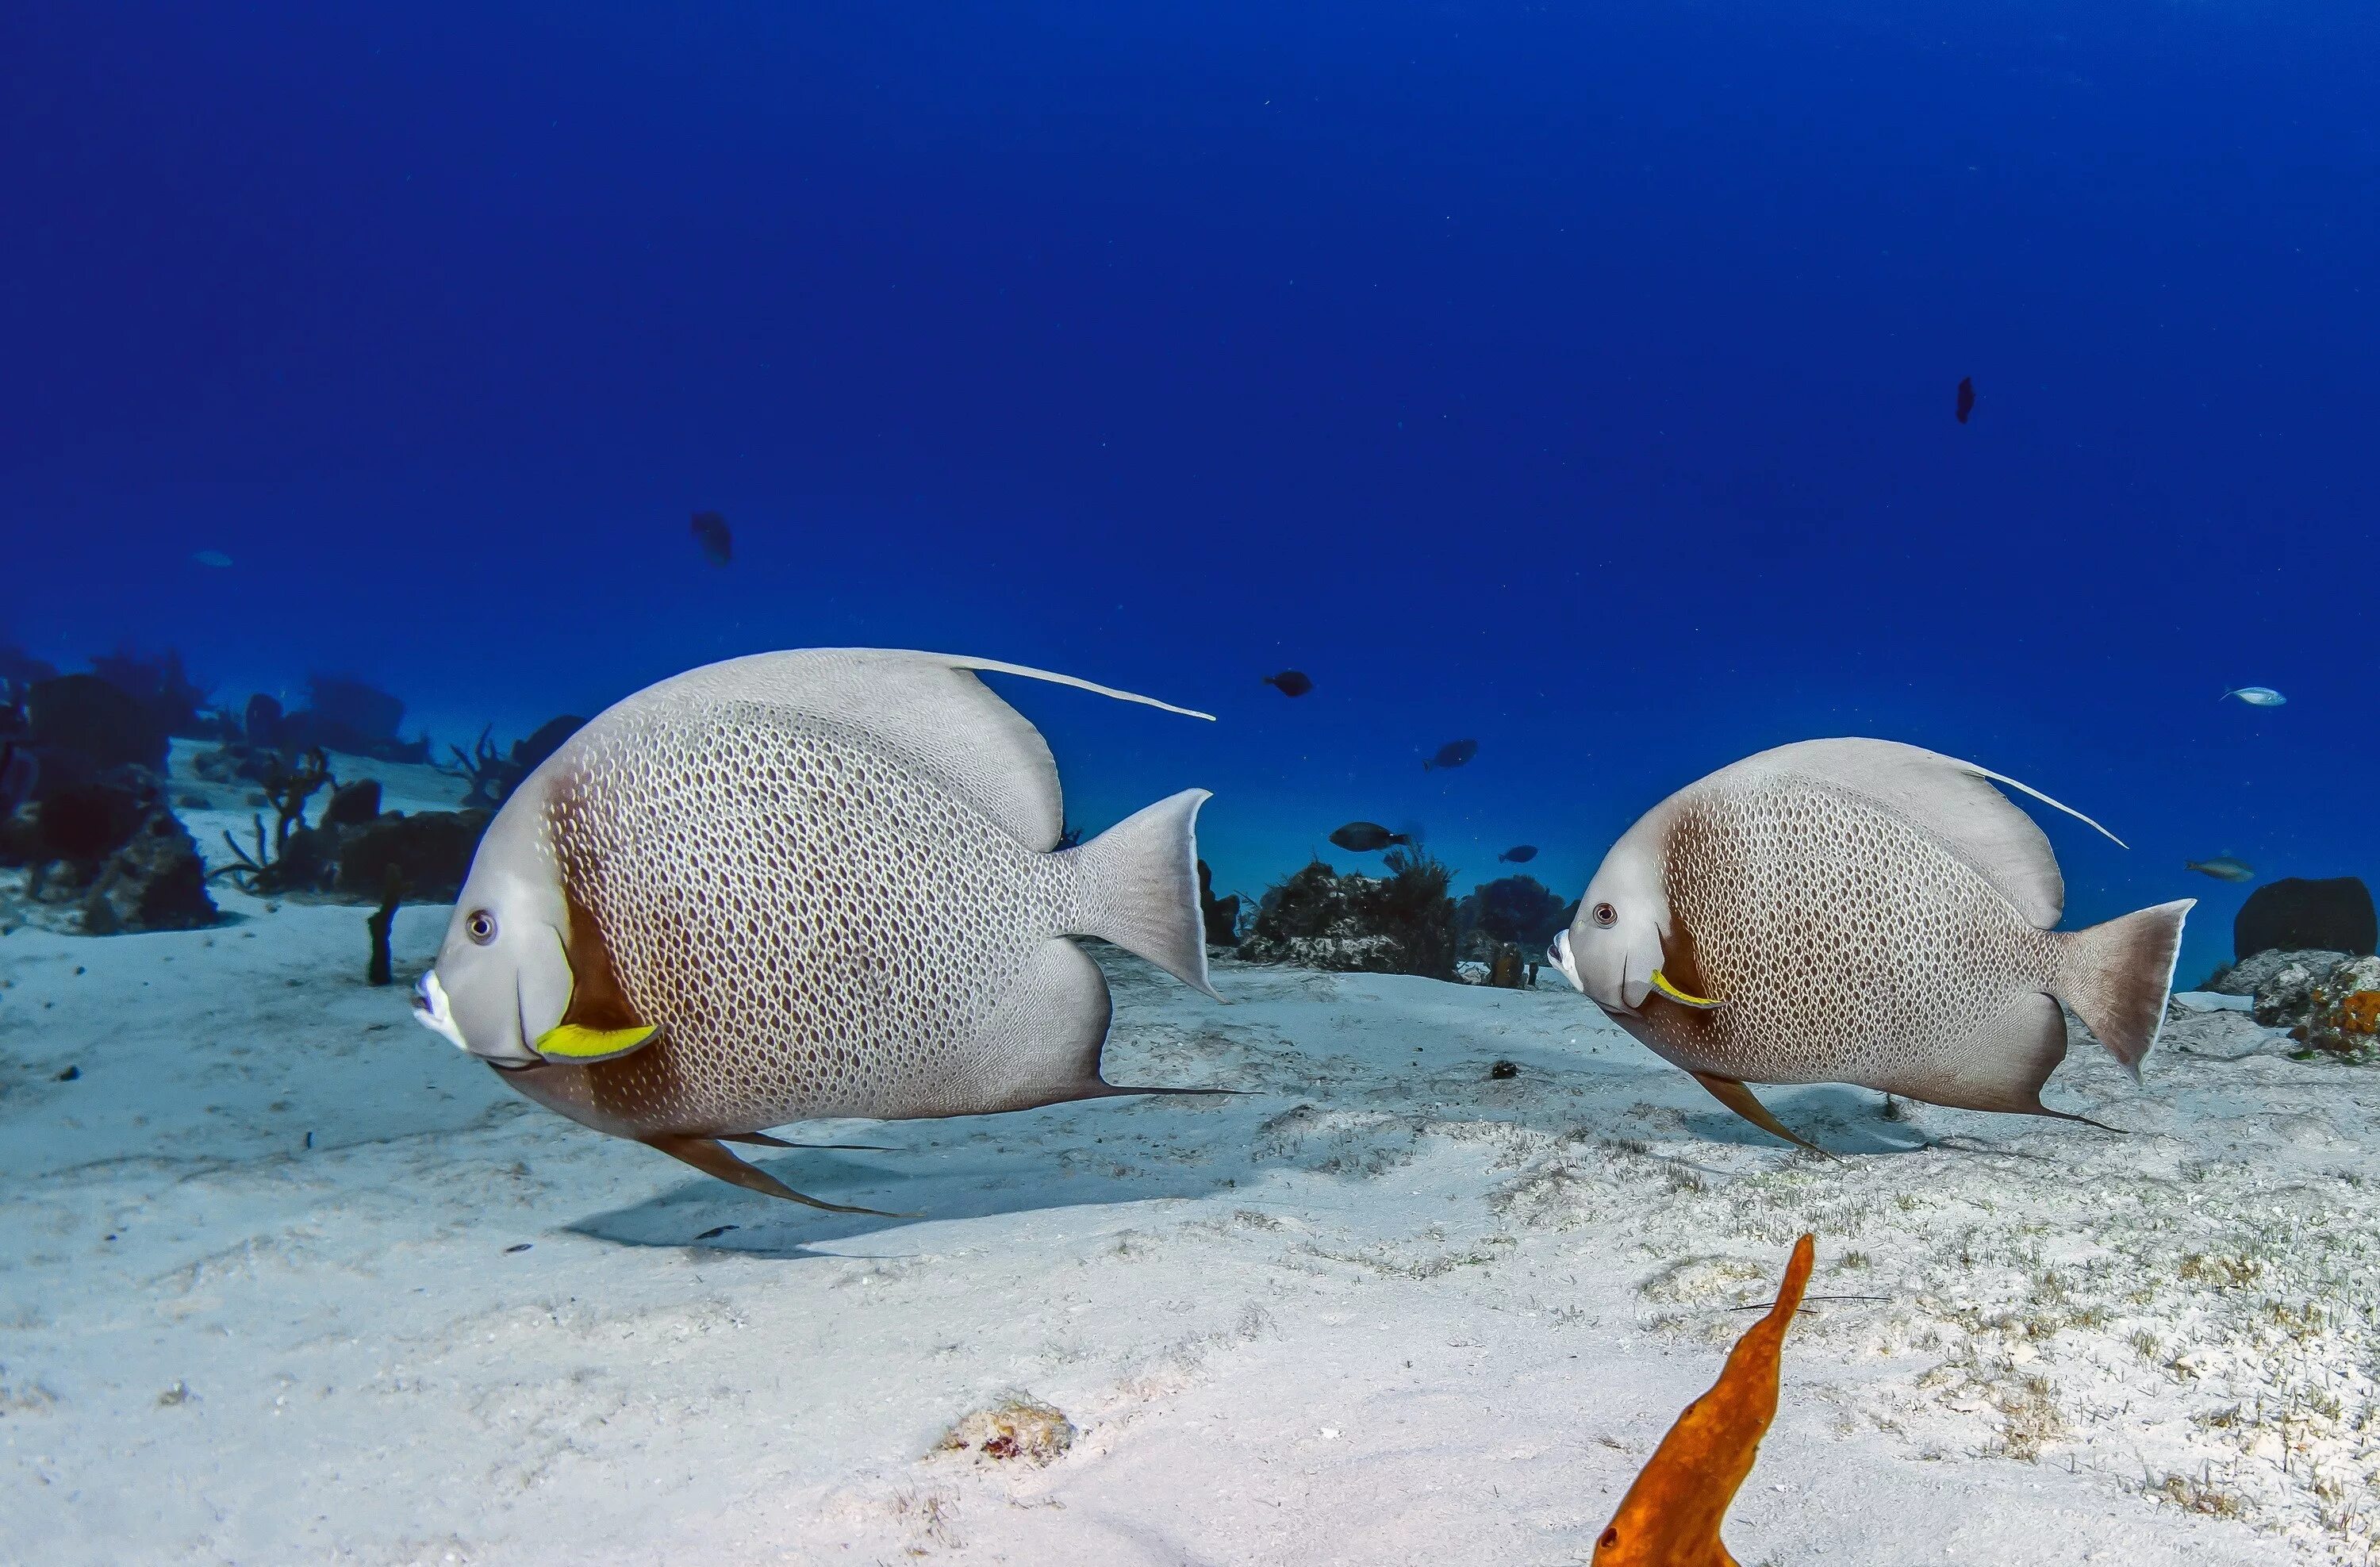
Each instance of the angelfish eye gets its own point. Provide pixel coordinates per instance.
(480, 927)
(1604, 915)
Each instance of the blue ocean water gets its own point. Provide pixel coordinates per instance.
(1574, 379)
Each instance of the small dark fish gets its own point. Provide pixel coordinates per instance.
(1966, 399)
(1521, 854)
(1290, 682)
(716, 1231)
(1454, 753)
(2223, 868)
(710, 532)
(1362, 837)
(523, 1246)
(69, 1075)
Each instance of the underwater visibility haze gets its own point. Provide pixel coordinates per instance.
(1497, 418)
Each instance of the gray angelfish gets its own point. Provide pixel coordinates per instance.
(1859, 911)
(805, 884)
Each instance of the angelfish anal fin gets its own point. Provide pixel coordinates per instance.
(710, 1156)
(575, 1044)
(762, 1139)
(1738, 1098)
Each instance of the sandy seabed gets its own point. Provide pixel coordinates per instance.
(286, 1279)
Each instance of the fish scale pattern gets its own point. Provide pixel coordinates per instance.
(1848, 945)
(819, 928)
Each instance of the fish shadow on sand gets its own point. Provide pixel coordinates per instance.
(938, 1176)
(1847, 1121)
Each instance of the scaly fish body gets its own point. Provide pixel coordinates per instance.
(1858, 911)
(803, 884)
(1849, 946)
(818, 932)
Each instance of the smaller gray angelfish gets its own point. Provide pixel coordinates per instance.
(1860, 911)
(805, 884)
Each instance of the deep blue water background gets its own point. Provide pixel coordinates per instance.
(1576, 378)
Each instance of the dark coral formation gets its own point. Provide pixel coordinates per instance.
(343, 713)
(1220, 915)
(428, 853)
(160, 684)
(493, 775)
(2295, 915)
(84, 718)
(1403, 923)
(1506, 925)
(104, 845)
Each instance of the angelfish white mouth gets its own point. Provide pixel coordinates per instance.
(1558, 956)
(429, 1010)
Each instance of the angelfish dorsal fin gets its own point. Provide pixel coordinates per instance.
(926, 707)
(1954, 800)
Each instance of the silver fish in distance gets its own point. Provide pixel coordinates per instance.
(2223, 868)
(803, 884)
(2257, 696)
(1859, 911)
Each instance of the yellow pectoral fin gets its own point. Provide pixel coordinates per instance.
(577, 1045)
(1661, 983)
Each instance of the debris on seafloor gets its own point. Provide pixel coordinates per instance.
(1017, 1426)
(1670, 1517)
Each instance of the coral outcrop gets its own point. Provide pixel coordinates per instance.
(2297, 915)
(1403, 923)
(105, 854)
(1220, 915)
(1506, 925)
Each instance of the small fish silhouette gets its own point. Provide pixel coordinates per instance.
(1364, 837)
(710, 532)
(1966, 399)
(1520, 854)
(2257, 696)
(1290, 682)
(1454, 753)
(1670, 1517)
(214, 558)
(2223, 868)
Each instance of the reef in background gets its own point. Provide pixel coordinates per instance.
(1506, 925)
(1403, 923)
(85, 814)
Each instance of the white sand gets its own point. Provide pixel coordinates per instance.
(1380, 1309)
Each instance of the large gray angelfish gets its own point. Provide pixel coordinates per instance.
(803, 885)
(1859, 911)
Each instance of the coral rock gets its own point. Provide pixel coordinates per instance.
(429, 851)
(1401, 924)
(2294, 915)
(83, 714)
(155, 882)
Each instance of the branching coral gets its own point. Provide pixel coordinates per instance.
(290, 787)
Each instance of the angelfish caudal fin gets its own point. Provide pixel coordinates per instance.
(2117, 976)
(1139, 888)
